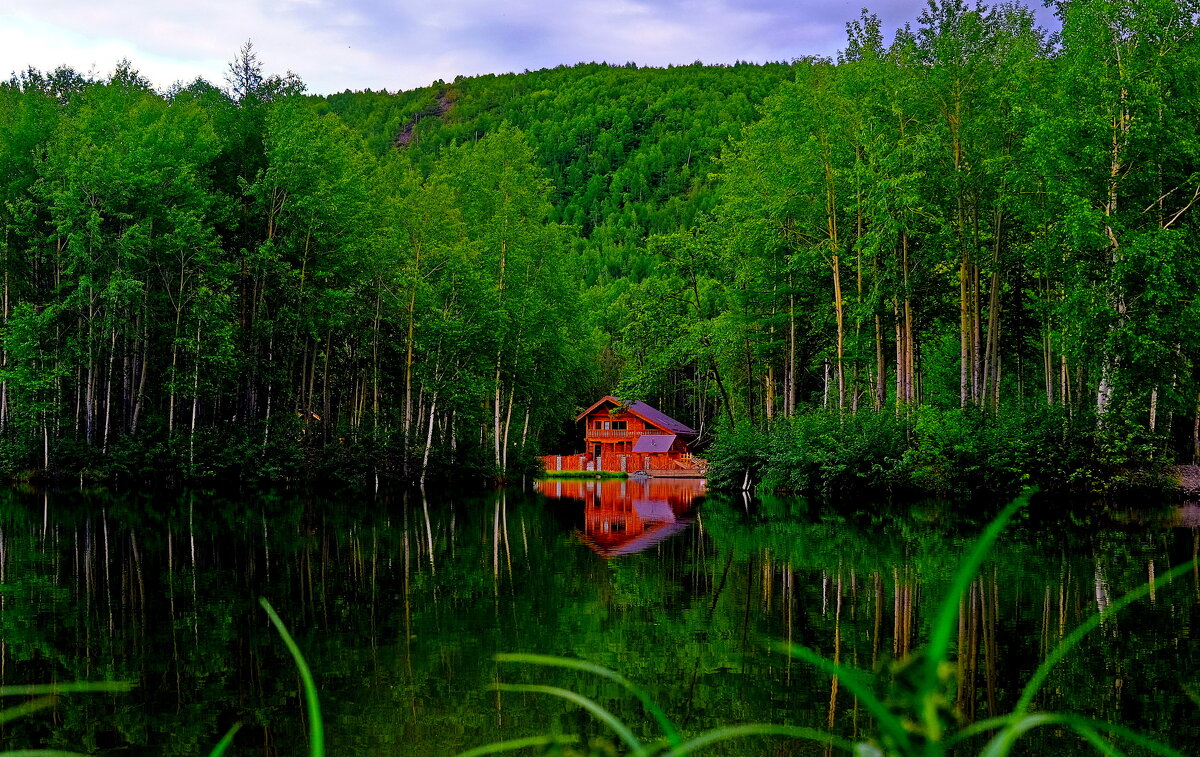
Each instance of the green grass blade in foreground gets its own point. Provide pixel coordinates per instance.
(41, 753)
(946, 621)
(225, 741)
(612, 721)
(1133, 737)
(1072, 640)
(26, 708)
(76, 687)
(854, 680)
(316, 728)
(668, 728)
(525, 743)
(1000, 746)
(759, 729)
(1192, 695)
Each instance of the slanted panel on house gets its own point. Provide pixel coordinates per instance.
(653, 443)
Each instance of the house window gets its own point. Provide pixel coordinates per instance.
(599, 424)
(618, 425)
(608, 424)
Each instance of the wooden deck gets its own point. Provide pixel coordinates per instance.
(654, 466)
(673, 473)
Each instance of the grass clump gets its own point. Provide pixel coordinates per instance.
(47, 695)
(583, 474)
(915, 717)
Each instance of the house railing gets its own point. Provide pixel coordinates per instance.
(608, 433)
(625, 463)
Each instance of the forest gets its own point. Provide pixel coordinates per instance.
(960, 258)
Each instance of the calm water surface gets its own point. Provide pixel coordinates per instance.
(401, 602)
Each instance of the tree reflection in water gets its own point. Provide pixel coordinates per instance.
(399, 603)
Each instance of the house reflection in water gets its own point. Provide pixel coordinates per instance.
(626, 516)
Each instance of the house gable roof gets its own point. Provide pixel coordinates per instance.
(647, 413)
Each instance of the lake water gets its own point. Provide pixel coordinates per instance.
(400, 604)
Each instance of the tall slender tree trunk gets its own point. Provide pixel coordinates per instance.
(326, 404)
(976, 328)
(841, 332)
(270, 395)
(143, 370)
(1047, 348)
(831, 230)
(991, 361)
(408, 356)
(1109, 362)
(496, 419)
(375, 325)
(195, 402)
(769, 393)
(912, 382)
(90, 392)
(826, 384)
(880, 368)
(310, 347)
(905, 340)
(964, 333)
(108, 382)
(901, 361)
(525, 430)
(1064, 380)
(790, 375)
(507, 425)
(174, 374)
(428, 438)
(4, 352)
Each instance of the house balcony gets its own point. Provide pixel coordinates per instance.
(614, 434)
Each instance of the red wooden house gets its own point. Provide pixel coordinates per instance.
(630, 438)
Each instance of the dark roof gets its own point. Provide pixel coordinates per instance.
(646, 413)
(654, 443)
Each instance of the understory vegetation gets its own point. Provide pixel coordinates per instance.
(962, 256)
(944, 453)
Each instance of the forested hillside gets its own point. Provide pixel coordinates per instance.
(628, 152)
(965, 255)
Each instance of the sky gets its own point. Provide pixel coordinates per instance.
(394, 45)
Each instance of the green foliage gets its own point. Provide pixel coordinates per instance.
(818, 452)
(959, 219)
(628, 151)
(206, 287)
(942, 452)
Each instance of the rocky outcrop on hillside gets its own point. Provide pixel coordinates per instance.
(440, 107)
